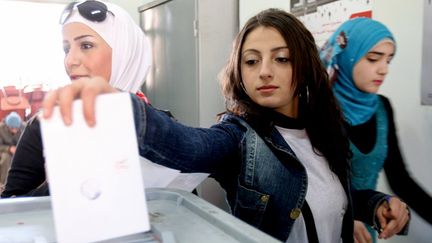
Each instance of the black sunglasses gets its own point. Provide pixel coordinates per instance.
(91, 10)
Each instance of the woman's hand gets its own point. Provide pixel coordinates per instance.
(86, 89)
(393, 215)
(361, 234)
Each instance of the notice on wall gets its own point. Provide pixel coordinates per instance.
(426, 73)
(323, 17)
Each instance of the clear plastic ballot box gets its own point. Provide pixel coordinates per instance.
(175, 216)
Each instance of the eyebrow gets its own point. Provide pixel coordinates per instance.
(81, 37)
(379, 53)
(78, 38)
(272, 50)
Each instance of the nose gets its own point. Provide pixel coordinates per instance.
(72, 59)
(383, 68)
(266, 71)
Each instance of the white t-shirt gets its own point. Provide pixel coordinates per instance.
(325, 194)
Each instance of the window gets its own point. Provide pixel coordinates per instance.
(31, 55)
(31, 51)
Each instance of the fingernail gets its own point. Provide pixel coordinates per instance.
(67, 120)
(91, 123)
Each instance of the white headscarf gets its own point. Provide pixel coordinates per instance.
(131, 52)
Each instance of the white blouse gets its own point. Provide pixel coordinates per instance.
(325, 194)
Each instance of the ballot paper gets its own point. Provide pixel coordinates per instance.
(94, 174)
(155, 175)
(158, 176)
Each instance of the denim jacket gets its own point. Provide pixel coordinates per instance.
(265, 183)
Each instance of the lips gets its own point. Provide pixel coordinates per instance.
(267, 88)
(75, 77)
(378, 82)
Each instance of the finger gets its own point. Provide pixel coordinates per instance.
(89, 94)
(382, 219)
(48, 104)
(403, 221)
(389, 230)
(361, 234)
(88, 101)
(367, 236)
(65, 98)
(360, 237)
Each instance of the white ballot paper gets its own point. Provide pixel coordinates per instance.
(94, 174)
(158, 176)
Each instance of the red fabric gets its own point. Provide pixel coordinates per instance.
(142, 96)
(366, 14)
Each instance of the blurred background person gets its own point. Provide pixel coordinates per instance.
(10, 131)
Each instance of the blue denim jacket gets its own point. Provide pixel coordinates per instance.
(265, 183)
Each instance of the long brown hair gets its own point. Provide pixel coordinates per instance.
(317, 106)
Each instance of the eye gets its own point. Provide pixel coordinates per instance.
(86, 45)
(389, 60)
(66, 49)
(251, 62)
(282, 59)
(372, 60)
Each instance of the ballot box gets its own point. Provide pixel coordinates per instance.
(175, 216)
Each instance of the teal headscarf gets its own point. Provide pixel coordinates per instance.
(348, 44)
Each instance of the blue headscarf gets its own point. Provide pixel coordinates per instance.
(348, 44)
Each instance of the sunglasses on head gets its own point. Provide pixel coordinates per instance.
(91, 10)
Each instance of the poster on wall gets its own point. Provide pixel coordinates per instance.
(426, 73)
(323, 17)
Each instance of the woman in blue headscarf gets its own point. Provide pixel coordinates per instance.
(357, 57)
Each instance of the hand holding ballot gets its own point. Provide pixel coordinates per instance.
(100, 181)
(86, 89)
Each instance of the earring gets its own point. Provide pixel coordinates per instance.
(304, 94)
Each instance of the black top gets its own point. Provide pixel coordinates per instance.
(27, 172)
(403, 185)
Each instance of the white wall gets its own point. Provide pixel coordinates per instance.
(249, 8)
(131, 6)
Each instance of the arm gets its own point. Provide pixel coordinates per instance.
(27, 171)
(167, 142)
(160, 139)
(399, 178)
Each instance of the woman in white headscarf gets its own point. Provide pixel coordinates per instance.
(99, 39)
(131, 55)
